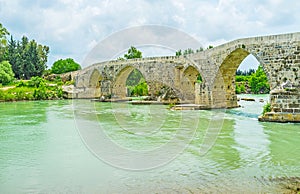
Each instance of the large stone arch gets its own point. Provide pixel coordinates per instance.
(224, 87)
(119, 89)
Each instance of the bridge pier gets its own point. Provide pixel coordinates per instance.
(285, 106)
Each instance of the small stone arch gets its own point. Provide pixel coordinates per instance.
(95, 79)
(189, 83)
(94, 87)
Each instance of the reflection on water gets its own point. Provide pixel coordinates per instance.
(42, 151)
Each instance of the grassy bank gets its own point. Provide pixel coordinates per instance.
(34, 89)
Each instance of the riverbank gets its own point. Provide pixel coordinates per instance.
(34, 89)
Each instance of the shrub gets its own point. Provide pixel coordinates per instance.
(36, 82)
(40, 93)
(2, 95)
(266, 108)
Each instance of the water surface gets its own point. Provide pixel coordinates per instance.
(43, 151)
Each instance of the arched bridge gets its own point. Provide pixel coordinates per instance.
(279, 56)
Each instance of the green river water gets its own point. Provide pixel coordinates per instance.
(79, 146)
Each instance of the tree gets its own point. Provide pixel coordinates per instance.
(178, 53)
(188, 51)
(3, 42)
(259, 81)
(64, 66)
(6, 73)
(200, 49)
(133, 53)
(28, 58)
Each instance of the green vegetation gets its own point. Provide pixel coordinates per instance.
(199, 79)
(35, 89)
(6, 73)
(133, 53)
(188, 51)
(141, 89)
(135, 82)
(254, 81)
(64, 66)
(27, 57)
(3, 42)
(259, 82)
(26, 60)
(266, 108)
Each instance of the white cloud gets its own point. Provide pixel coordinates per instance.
(72, 27)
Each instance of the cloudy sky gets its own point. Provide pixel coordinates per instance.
(72, 28)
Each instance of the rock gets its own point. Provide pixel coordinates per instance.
(248, 99)
(102, 99)
(71, 92)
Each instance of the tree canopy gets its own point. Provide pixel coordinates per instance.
(27, 57)
(133, 53)
(6, 73)
(3, 42)
(64, 65)
(256, 81)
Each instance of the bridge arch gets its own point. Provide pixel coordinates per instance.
(191, 76)
(95, 83)
(224, 86)
(119, 89)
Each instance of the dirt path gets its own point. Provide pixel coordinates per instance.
(6, 88)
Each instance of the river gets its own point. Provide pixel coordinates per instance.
(79, 146)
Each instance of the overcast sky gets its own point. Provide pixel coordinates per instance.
(71, 28)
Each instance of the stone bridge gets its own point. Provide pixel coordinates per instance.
(279, 56)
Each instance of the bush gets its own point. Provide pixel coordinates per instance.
(40, 93)
(240, 88)
(266, 108)
(36, 82)
(2, 95)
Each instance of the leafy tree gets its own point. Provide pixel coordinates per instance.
(3, 42)
(133, 53)
(6, 73)
(141, 89)
(259, 81)
(64, 66)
